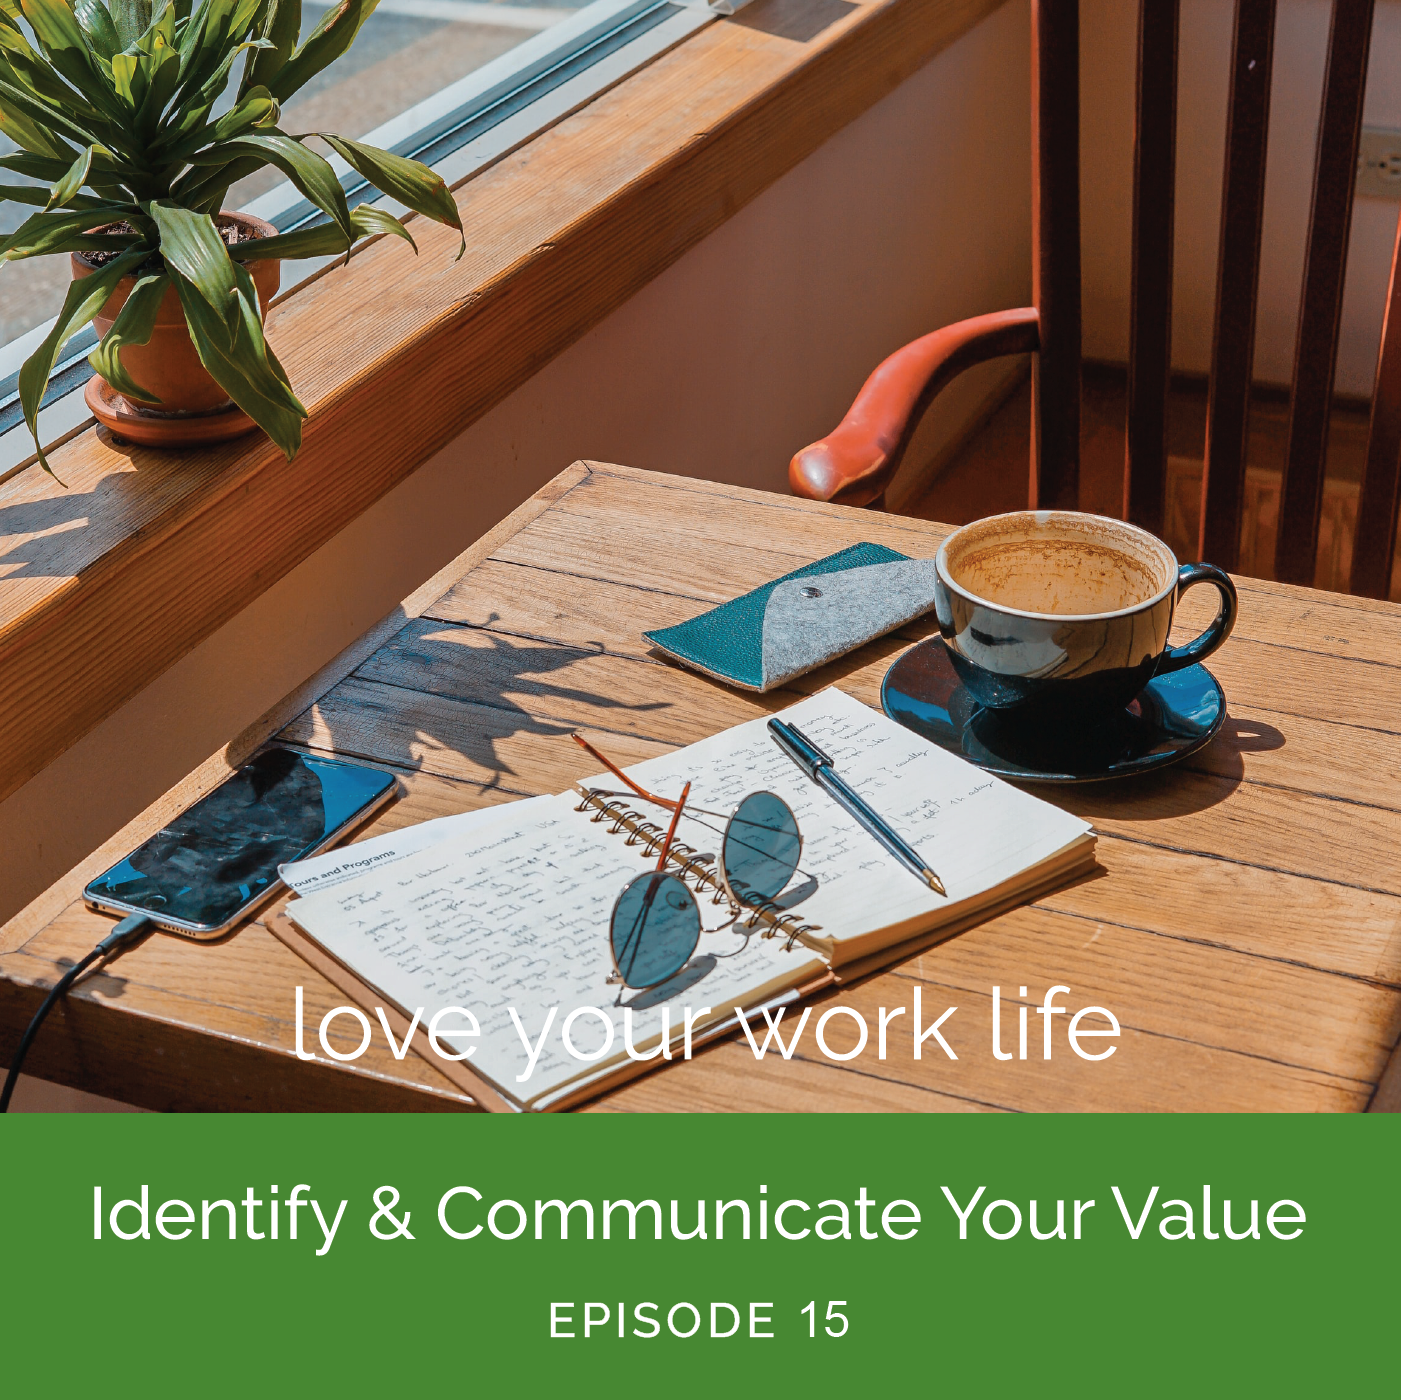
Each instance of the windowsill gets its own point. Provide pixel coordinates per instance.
(107, 583)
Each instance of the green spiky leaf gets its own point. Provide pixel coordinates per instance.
(61, 39)
(25, 194)
(191, 246)
(320, 241)
(74, 178)
(133, 326)
(96, 23)
(32, 135)
(310, 173)
(282, 24)
(165, 78)
(258, 108)
(40, 195)
(409, 181)
(47, 118)
(120, 108)
(129, 78)
(20, 65)
(232, 348)
(218, 31)
(327, 42)
(326, 240)
(39, 167)
(369, 222)
(86, 297)
(53, 232)
(131, 18)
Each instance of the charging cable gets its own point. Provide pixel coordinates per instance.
(129, 931)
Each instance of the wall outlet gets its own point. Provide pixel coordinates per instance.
(1379, 164)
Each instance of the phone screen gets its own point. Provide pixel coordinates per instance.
(222, 853)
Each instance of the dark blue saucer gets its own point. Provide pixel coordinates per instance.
(1171, 717)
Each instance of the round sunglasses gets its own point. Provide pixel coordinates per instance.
(656, 921)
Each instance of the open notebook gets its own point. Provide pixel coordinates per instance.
(512, 915)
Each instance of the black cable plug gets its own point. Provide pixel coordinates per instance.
(129, 931)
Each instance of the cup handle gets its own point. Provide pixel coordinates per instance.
(1175, 658)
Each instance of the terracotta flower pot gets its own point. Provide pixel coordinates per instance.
(169, 365)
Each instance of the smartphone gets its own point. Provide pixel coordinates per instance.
(217, 861)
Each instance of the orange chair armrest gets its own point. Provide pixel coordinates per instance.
(854, 463)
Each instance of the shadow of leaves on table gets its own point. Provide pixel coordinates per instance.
(464, 702)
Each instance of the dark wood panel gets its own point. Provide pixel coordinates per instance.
(1055, 244)
(1325, 269)
(1374, 544)
(1150, 307)
(1237, 282)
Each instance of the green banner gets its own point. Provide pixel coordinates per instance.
(688, 1256)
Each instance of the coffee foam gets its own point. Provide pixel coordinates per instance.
(1062, 566)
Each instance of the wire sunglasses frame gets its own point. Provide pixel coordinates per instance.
(656, 923)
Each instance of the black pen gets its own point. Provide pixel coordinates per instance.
(818, 766)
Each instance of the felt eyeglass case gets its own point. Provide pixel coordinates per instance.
(804, 619)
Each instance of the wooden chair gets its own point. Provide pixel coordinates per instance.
(855, 463)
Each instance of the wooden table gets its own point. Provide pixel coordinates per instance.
(1245, 927)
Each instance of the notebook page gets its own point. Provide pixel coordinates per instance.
(973, 829)
(516, 915)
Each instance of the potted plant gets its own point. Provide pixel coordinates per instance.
(116, 106)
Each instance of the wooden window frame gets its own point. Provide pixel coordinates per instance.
(141, 555)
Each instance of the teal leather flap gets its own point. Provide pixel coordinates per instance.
(758, 641)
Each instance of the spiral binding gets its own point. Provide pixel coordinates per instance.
(693, 867)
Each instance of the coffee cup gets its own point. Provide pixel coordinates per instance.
(1067, 612)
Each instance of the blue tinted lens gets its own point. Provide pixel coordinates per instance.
(761, 848)
(655, 928)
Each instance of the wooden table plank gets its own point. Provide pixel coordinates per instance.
(724, 1075)
(196, 1026)
(522, 600)
(1245, 925)
(1322, 757)
(1348, 763)
(1364, 694)
(516, 750)
(1182, 1075)
(576, 686)
(526, 751)
(1215, 997)
(523, 745)
(1283, 676)
(1268, 828)
(1308, 620)
(1263, 913)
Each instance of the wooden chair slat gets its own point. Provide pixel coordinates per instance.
(1055, 204)
(1325, 263)
(853, 464)
(1150, 317)
(1374, 544)
(1237, 283)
